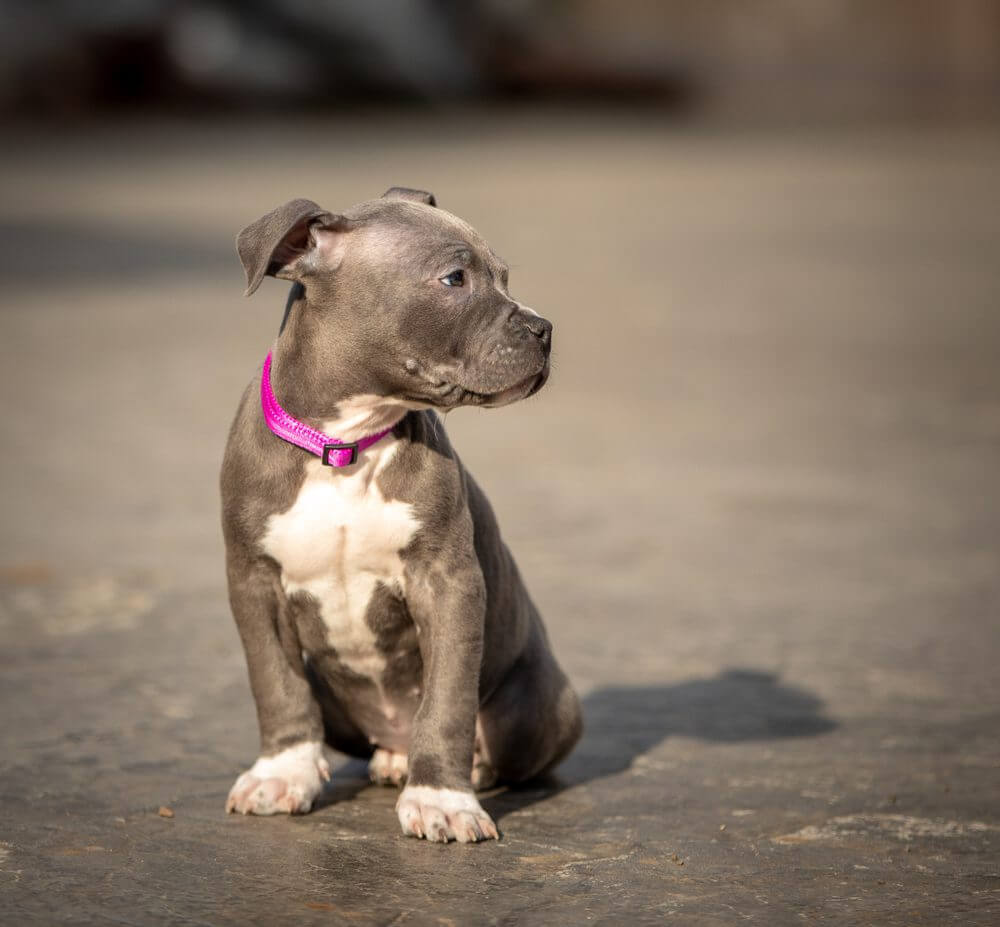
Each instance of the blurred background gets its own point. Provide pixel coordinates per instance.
(757, 502)
(71, 58)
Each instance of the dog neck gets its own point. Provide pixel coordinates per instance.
(323, 385)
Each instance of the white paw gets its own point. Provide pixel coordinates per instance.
(387, 768)
(286, 783)
(443, 815)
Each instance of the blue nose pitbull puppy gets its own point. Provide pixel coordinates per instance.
(380, 611)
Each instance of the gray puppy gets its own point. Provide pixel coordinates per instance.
(380, 611)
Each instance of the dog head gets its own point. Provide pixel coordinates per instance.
(412, 294)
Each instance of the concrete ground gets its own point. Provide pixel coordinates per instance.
(758, 505)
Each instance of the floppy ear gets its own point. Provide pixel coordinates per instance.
(276, 243)
(406, 193)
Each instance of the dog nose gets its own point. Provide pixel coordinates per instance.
(536, 325)
(539, 327)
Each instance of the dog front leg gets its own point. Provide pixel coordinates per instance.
(291, 768)
(438, 803)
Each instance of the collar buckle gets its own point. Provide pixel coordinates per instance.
(351, 446)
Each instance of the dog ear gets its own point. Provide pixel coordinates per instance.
(276, 243)
(406, 193)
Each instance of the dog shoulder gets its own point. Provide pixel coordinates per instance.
(260, 474)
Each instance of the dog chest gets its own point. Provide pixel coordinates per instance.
(340, 539)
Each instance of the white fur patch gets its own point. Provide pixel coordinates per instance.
(340, 538)
(450, 801)
(302, 760)
(365, 414)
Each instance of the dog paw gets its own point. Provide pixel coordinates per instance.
(388, 768)
(443, 815)
(285, 783)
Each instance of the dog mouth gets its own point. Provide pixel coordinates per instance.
(520, 390)
(449, 394)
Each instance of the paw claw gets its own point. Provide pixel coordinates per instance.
(324, 769)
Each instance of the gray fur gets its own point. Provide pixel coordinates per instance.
(370, 316)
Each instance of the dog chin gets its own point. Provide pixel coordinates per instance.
(520, 390)
(446, 395)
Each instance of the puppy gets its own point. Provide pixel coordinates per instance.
(380, 611)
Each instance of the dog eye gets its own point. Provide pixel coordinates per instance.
(455, 278)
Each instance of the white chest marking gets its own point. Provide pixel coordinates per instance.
(338, 541)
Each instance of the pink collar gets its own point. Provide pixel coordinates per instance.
(332, 451)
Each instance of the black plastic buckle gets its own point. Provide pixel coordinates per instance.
(352, 447)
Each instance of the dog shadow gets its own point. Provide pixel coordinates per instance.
(622, 723)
